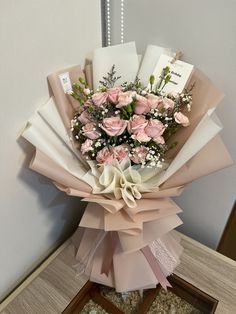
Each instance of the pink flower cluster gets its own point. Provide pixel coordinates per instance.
(143, 103)
(111, 95)
(144, 130)
(115, 123)
(120, 152)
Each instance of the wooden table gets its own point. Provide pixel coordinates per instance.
(51, 288)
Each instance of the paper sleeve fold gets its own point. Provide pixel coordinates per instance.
(151, 230)
(42, 164)
(212, 157)
(131, 264)
(205, 97)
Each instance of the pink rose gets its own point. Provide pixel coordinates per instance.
(155, 128)
(153, 101)
(85, 117)
(141, 136)
(139, 154)
(86, 146)
(166, 103)
(104, 156)
(141, 105)
(114, 126)
(88, 103)
(113, 94)
(159, 140)
(125, 98)
(120, 152)
(99, 98)
(90, 131)
(180, 118)
(136, 124)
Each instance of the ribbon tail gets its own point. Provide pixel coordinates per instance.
(155, 267)
(108, 259)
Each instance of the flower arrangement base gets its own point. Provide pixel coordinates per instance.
(181, 298)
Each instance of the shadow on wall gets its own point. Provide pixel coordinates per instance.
(50, 199)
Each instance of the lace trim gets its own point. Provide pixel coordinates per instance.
(164, 256)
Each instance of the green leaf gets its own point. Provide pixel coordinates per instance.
(173, 145)
(129, 108)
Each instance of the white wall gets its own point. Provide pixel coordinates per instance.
(205, 32)
(36, 38)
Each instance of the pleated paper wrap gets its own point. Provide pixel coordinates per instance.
(126, 238)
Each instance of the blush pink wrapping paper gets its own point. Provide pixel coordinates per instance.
(206, 96)
(65, 103)
(210, 158)
(47, 167)
(131, 264)
(89, 74)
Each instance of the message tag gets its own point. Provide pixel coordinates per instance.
(65, 82)
(180, 73)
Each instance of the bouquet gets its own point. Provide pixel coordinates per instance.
(125, 138)
(129, 121)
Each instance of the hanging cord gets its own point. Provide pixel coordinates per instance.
(108, 22)
(122, 21)
(177, 56)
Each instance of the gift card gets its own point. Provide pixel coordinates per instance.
(150, 59)
(180, 72)
(65, 82)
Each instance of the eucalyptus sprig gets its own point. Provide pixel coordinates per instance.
(110, 80)
(135, 86)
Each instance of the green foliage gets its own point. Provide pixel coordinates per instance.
(152, 81)
(78, 91)
(127, 111)
(110, 80)
(165, 78)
